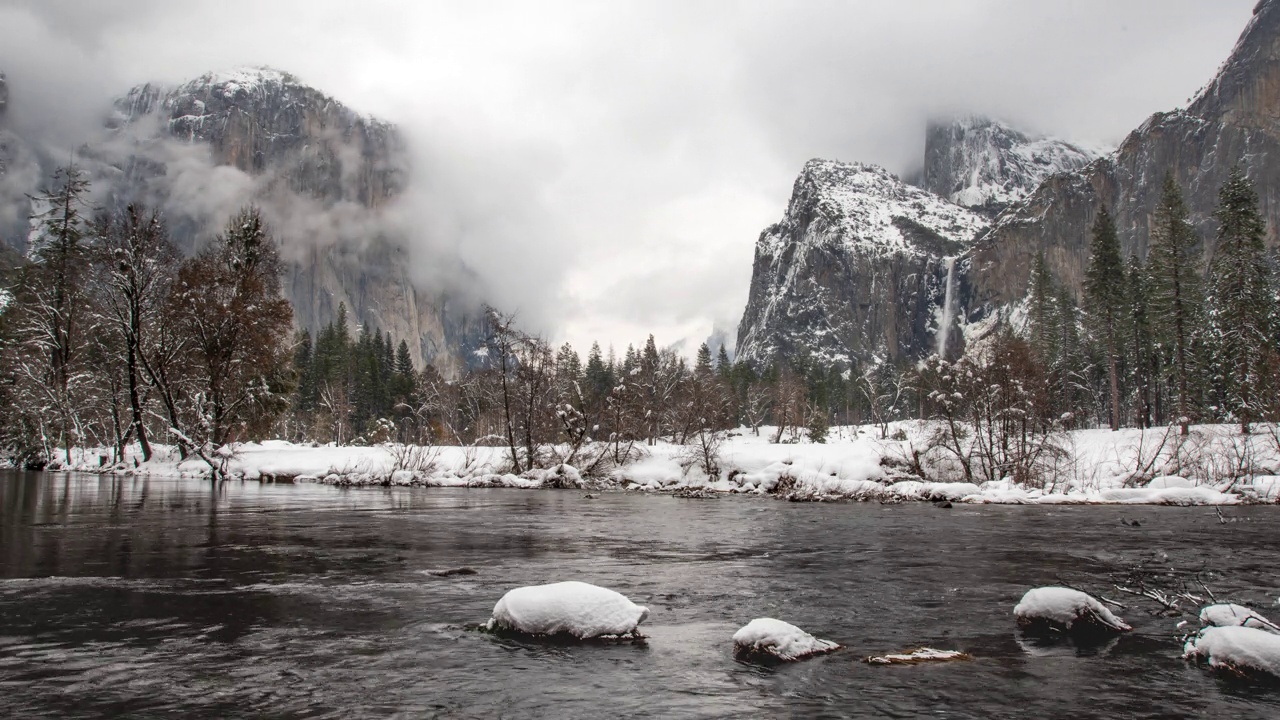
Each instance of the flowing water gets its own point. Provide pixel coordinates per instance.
(948, 307)
(149, 598)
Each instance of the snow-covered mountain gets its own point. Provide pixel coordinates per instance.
(324, 175)
(1233, 120)
(855, 270)
(986, 165)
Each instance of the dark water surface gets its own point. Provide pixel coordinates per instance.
(149, 598)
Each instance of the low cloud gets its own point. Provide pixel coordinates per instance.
(605, 168)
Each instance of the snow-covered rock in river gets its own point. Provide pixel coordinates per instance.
(986, 165)
(769, 640)
(919, 655)
(572, 608)
(1059, 610)
(855, 270)
(1240, 650)
(1232, 615)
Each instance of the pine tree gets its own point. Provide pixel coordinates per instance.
(406, 378)
(1105, 298)
(1241, 304)
(54, 291)
(1175, 296)
(304, 368)
(1042, 312)
(1143, 367)
(598, 375)
(702, 367)
(723, 366)
(568, 364)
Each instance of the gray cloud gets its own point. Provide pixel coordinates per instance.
(605, 168)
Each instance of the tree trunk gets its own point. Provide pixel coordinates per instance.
(135, 402)
(1115, 391)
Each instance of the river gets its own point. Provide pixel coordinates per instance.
(168, 597)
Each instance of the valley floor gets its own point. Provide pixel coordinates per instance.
(1213, 465)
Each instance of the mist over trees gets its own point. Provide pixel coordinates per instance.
(112, 339)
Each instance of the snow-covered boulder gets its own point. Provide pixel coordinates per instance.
(769, 640)
(572, 608)
(1240, 650)
(1232, 615)
(1059, 610)
(1170, 482)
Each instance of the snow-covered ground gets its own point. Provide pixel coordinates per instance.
(1214, 465)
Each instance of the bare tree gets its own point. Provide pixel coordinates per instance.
(229, 303)
(134, 263)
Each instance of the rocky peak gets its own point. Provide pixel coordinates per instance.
(855, 271)
(986, 165)
(323, 175)
(1234, 120)
(874, 212)
(259, 120)
(1246, 89)
(4, 95)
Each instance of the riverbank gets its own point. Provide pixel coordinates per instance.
(1213, 465)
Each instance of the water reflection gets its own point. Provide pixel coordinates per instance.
(136, 596)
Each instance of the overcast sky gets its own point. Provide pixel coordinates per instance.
(609, 165)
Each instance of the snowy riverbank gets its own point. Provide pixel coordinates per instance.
(1214, 465)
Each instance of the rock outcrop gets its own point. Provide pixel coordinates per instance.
(988, 166)
(1234, 120)
(326, 178)
(856, 271)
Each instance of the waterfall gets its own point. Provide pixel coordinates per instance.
(947, 302)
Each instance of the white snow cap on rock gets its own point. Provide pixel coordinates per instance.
(781, 640)
(573, 608)
(1231, 615)
(1239, 649)
(1065, 607)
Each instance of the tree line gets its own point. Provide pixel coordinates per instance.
(111, 339)
(1183, 336)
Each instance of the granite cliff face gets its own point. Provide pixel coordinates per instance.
(1234, 120)
(325, 177)
(988, 166)
(19, 172)
(856, 271)
(842, 277)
